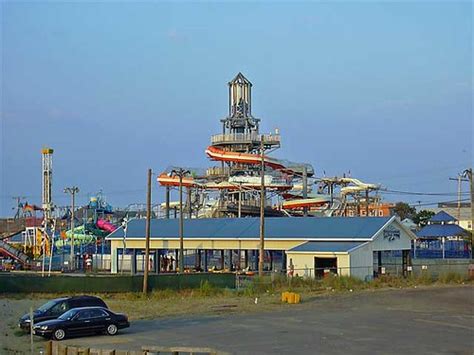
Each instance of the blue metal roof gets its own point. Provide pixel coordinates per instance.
(275, 227)
(442, 216)
(334, 247)
(441, 230)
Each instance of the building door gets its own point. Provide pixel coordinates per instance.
(324, 266)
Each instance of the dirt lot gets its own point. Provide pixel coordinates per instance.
(436, 319)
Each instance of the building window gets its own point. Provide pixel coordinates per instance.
(380, 213)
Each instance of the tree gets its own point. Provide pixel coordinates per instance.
(422, 217)
(404, 210)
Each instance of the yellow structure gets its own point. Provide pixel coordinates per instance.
(306, 247)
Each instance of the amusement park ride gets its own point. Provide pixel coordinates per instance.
(231, 189)
(43, 238)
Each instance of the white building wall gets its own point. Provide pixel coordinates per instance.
(304, 262)
(361, 262)
(387, 239)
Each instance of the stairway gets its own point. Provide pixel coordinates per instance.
(14, 253)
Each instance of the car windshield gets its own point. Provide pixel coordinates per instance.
(47, 306)
(68, 315)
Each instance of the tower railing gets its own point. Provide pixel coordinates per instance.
(218, 171)
(245, 138)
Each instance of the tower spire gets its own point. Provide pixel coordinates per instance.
(240, 119)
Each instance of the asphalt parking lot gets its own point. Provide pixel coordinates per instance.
(434, 320)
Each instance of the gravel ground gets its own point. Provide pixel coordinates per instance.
(435, 320)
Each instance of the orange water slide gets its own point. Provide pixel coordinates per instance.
(165, 180)
(307, 202)
(221, 155)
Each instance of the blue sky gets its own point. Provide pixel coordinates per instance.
(381, 89)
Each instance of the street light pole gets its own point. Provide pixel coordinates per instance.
(180, 173)
(72, 191)
(239, 214)
(262, 208)
(147, 233)
(181, 226)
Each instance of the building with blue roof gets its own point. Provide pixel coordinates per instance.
(442, 237)
(308, 246)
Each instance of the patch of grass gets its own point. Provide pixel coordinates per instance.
(342, 283)
(207, 289)
(423, 279)
(258, 293)
(18, 333)
(451, 277)
(384, 281)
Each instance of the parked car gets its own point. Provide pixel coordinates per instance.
(54, 308)
(82, 321)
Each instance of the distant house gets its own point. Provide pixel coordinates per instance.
(462, 214)
(408, 223)
(442, 237)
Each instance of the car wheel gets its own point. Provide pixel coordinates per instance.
(59, 334)
(112, 329)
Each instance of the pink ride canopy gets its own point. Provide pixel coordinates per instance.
(106, 225)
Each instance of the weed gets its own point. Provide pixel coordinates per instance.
(207, 289)
(451, 277)
(18, 333)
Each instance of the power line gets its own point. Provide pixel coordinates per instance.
(400, 192)
(436, 203)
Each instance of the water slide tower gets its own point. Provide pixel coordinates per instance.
(47, 168)
(240, 130)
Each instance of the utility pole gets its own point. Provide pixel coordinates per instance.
(239, 213)
(180, 173)
(262, 208)
(463, 176)
(72, 191)
(459, 179)
(468, 174)
(147, 233)
(367, 203)
(188, 202)
(305, 189)
(167, 202)
(459, 197)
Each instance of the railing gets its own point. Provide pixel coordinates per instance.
(218, 171)
(245, 138)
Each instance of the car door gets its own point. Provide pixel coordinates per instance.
(81, 323)
(99, 319)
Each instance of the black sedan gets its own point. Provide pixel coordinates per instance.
(81, 321)
(54, 308)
